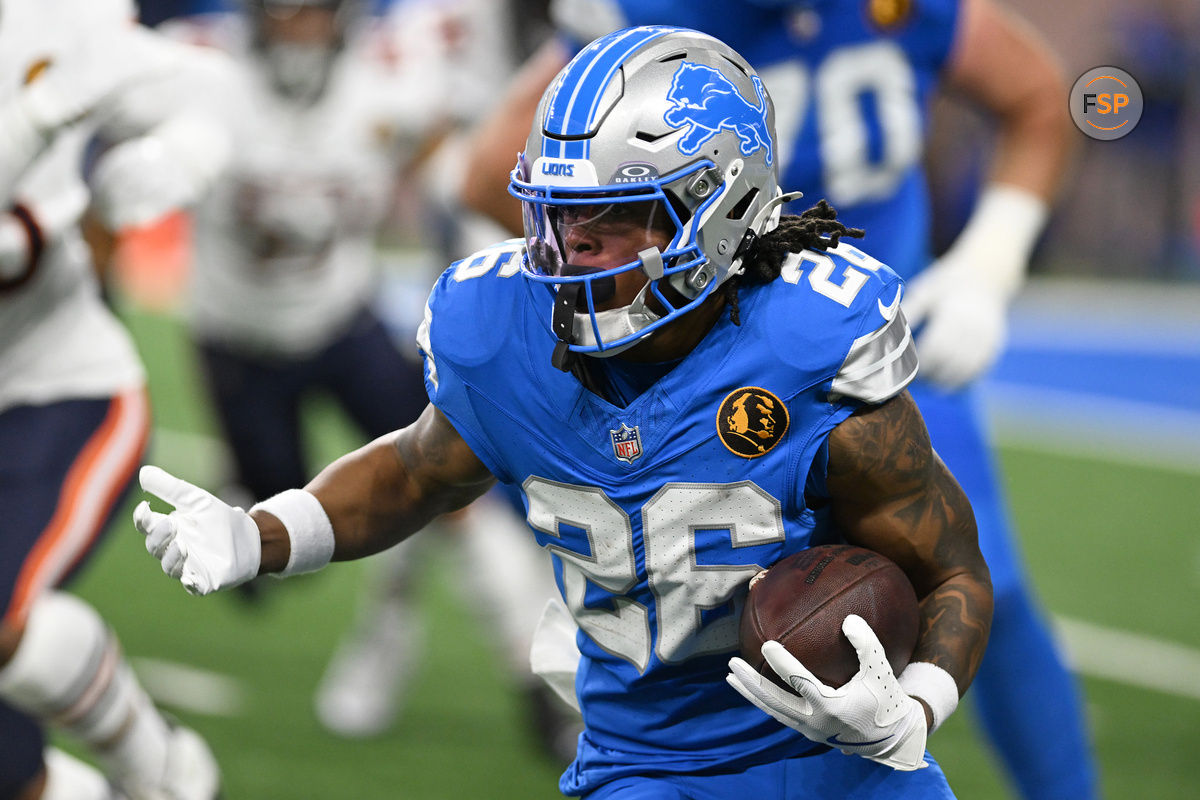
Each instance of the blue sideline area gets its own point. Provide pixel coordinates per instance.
(1102, 367)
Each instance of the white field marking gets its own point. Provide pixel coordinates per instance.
(190, 688)
(1131, 658)
(1093, 426)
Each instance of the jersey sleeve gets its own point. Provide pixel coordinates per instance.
(844, 306)
(457, 340)
(929, 37)
(880, 363)
(882, 358)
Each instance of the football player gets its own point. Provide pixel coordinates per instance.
(73, 407)
(852, 82)
(593, 367)
(330, 109)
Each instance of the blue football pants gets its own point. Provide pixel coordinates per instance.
(819, 777)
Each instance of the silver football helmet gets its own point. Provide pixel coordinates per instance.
(673, 122)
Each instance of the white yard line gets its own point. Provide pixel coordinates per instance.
(1131, 658)
(189, 688)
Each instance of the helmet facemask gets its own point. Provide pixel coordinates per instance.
(569, 247)
(299, 42)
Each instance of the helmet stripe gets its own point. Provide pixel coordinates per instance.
(587, 76)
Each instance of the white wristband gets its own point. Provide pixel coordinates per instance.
(1001, 233)
(308, 528)
(934, 685)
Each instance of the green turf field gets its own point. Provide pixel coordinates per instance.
(1108, 544)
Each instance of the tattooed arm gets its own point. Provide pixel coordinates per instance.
(381, 493)
(892, 494)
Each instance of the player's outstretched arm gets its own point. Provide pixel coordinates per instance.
(892, 494)
(362, 503)
(383, 492)
(958, 306)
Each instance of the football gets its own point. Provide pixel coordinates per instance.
(801, 601)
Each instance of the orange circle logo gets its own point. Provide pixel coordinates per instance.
(1106, 103)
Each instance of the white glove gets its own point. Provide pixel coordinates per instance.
(205, 543)
(958, 306)
(141, 179)
(965, 323)
(870, 716)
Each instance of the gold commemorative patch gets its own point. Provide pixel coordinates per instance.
(751, 421)
(888, 15)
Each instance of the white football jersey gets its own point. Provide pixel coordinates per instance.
(284, 243)
(57, 339)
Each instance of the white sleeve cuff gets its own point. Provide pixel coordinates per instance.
(934, 685)
(308, 528)
(1000, 235)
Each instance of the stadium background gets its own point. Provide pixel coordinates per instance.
(1096, 408)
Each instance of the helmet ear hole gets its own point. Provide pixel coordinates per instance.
(742, 208)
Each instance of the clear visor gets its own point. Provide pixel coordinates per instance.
(582, 236)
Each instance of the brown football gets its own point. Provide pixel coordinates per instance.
(802, 600)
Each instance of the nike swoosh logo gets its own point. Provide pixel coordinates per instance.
(889, 311)
(836, 742)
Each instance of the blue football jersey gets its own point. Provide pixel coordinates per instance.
(657, 514)
(851, 81)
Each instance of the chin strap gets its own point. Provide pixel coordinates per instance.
(767, 215)
(771, 209)
(562, 323)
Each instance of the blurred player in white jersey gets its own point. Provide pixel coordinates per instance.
(73, 408)
(330, 108)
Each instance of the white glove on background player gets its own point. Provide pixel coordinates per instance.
(205, 543)
(871, 715)
(141, 179)
(958, 306)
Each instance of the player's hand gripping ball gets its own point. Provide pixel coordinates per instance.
(802, 601)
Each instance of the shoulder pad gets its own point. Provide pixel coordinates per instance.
(474, 299)
(848, 305)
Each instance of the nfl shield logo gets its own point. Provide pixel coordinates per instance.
(627, 443)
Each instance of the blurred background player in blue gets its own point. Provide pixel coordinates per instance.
(851, 81)
(332, 111)
(74, 417)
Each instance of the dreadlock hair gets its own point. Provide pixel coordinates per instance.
(815, 229)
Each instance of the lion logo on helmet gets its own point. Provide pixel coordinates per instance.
(709, 103)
